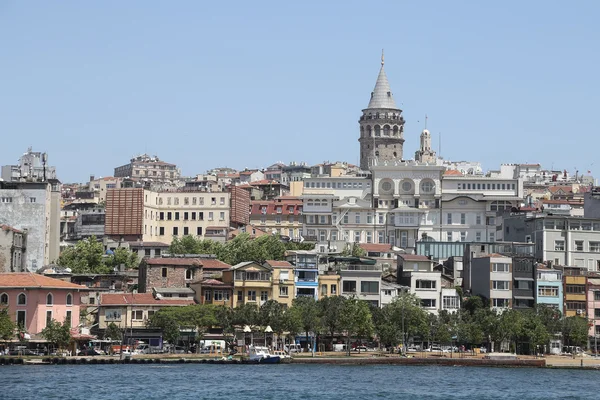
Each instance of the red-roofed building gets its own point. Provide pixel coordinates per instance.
(213, 291)
(168, 272)
(283, 215)
(34, 300)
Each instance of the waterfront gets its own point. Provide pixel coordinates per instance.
(292, 382)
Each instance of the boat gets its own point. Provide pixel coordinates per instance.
(262, 355)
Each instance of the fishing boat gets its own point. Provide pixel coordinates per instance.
(262, 355)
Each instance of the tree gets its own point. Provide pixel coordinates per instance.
(408, 317)
(58, 334)
(122, 256)
(330, 309)
(224, 319)
(7, 326)
(472, 304)
(356, 320)
(575, 331)
(384, 326)
(169, 321)
(84, 257)
(272, 314)
(306, 312)
(113, 332)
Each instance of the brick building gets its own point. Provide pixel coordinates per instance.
(168, 273)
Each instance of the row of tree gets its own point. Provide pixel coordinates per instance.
(400, 322)
(88, 256)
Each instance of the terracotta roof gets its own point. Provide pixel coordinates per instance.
(31, 280)
(271, 206)
(10, 228)
(414, 257)
(174, 261)
(248, 172)
(214, 282)
(376, 247)
(264, 182)
(213, 263)
(277, 263)
(148, 244)
(114, 299)
(453, 172)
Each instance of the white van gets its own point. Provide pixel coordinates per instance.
(293, 348)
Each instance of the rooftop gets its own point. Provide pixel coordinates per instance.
(31, 280)
(113, 299)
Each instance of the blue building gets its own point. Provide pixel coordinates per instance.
(306, 272)
(549, 287)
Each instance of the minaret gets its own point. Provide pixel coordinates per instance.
(381, 125)
(425, 154)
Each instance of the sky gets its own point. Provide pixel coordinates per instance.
(246, 84)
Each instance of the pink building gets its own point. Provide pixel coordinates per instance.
(594, 310)
(34, 300)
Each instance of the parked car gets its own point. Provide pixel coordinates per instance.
(437, 349)
(22, 352)
(89, 352)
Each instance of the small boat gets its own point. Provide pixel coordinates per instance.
(263, 356)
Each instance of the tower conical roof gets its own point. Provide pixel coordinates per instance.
(382, 94)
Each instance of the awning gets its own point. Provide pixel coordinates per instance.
(523, 298)
(523, 279)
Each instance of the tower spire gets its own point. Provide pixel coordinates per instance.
(382, 58)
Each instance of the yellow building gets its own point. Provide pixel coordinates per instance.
(252, 283)
(283, 281)
(575, 292)
(329, 284)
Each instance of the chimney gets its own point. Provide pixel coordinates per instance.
(92, 177)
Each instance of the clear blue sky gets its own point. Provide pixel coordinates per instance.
(245, 84)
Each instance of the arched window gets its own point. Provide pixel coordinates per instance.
(377, 130)
(362, 131)
(386, 130)
(69, 299)
(49, 299)
(22, 299)
(427, 186)
(3, 299)
(395, 131)
(369, 133)
(189, 274)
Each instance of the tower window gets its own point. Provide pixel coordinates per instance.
(377, 154)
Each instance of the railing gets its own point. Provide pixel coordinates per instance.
(360, 268)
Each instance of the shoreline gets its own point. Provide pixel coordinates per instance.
(319, 360)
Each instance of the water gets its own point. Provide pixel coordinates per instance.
(292, 382)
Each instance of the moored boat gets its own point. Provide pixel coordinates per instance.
(262, 355)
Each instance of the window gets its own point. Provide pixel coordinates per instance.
(428, 303)
(575, 289)
(463, 236)
(349, 286)
(386, 186)
(164, 272)
(547, 291)
(369, 218)
(423, 284)
(346, 219)
(240, 296)
(597, 295)
(478, 219)
(176, 216)
(500, 285)
(251, 295)
(559, 245)
(49, 299)
(579, 245)
(478, 236)
(199, 231)
(283, 291)
(406, 186)
(323, 290)
(380, 219)
(356, 236)
(357, 218)
(450, 302)
(222, 216)
(69, 299)
(207, 295)
(500, 267)
(150, 313)
(449, 219)
(448, 236)
(594, 247)
(264, 295)
(369, 237)
(161, 216)
(193, 215)
(169, 216)
(380, 236)
(463, 218)
(222, 201)
(68, 318)
(333, 289)
(369, 287)
(32, 199)
(210, 216)
(427, 187)
(21, 318)
(322, 236)
(3, 299)
(161, 231)
(213, 201)
(175, 231)
(137, 315)
(189, 274)
(186, 230)
(500, 303)
(185, 216)
(48, 317)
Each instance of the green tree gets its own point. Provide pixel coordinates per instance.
(408, 317)
(575, 331)
(272, 314)
(472, 304)
(330, 309)
(224, 319)
(246, 314)
(113, 332)
(84, 257)
(57, 334)
(306, 313)
(384, 326)
(7, 326)
(122, 256)
(356, 320)
(169, 320)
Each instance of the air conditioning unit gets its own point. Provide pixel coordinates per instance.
(579, 312)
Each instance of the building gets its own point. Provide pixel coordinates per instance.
(417, 273)
(34, 300)
(33, 207)
(306, 272)
(592, 203)
(381, 126)
(282, 216)
(361, 278)
(550, 287)
(425, 154)
(389, 291)
(382, 252)
(562, 240)
(593, 311)
(212, 291)
(148, 169)
(13, 245)
(252, 283)
(329, 284)
(283, 281)
(101, 186)
(168, 272)
(131, 313)
(575, 289)
(148, 249)
(89, 222)
(146, 215)
(32, 167)
(240, 205)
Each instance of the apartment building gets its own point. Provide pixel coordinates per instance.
(149, 169)
(252, 283)
(417, 273)
(362, 280)
(550, 287)
(306, 272)
(575, 289)
(100, 186)
(594, 307)
(283, 216)
(284, 290)
(492, 279)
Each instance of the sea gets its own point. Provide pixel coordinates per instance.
(293, 382)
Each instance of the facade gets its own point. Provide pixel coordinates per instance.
(361, 280)
(329, 284)
(212, 291)
(124, 214)
(381, 126)
(417, 273)
(575, 289)
(306, 272)
(132, 311)
(389, 291)
(562, 240)
(252, 283)
(593, 311)
(550, 288)
(148, 249)
(32, 168)
(34, 300)
(282, 216)
(175, 272)
(101, 186)
(240, 206)
(148, 169)
(13, 245)
(283, 281)
(34, 207)
(89, 222)
(491, 278)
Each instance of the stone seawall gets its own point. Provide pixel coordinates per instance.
(472, 362)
